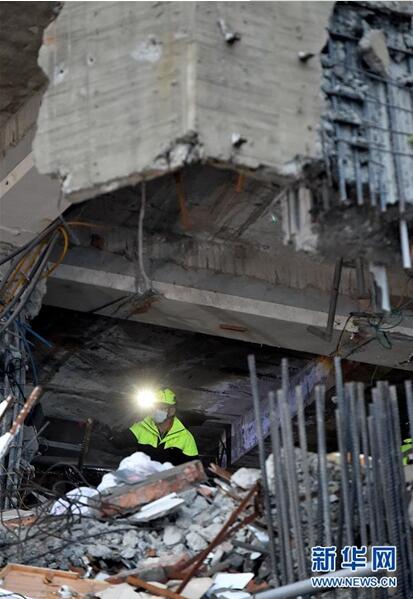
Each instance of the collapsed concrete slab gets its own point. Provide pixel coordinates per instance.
(182, 82)
(129, 497)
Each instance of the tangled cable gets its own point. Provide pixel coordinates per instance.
(29, 264)
(64, 527)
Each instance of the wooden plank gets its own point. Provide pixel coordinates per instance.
(43, 583)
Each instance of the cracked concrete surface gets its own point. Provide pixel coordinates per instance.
(172, 75)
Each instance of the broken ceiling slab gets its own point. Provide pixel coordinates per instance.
(130, 497)
(171, 90)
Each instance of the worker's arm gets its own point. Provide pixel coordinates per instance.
(174, 455)
(127, 440)
(123, 439)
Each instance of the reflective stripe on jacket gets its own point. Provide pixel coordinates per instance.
(178, 437)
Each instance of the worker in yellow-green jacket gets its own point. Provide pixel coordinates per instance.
(161, 435)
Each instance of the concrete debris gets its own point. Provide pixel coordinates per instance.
(374, 50)
(172, 535)
(334, 473)
(195, 542)
(246, 477)
(125, 550)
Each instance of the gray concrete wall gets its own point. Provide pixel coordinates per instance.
(139, 88)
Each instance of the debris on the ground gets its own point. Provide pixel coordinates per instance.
(246, 477)
(192, 531)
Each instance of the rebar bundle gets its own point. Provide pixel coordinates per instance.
(371, 507)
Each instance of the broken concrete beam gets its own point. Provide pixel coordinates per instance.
(166, 79)
(127, 498)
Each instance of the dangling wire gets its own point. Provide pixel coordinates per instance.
(142, 270)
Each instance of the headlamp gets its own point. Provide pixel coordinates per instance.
(146, 398)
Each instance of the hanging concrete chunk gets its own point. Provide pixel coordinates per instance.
(142, 88)
(374, 51)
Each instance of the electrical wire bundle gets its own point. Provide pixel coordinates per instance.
(29, 264)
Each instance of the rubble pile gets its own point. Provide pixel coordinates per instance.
(97, 544)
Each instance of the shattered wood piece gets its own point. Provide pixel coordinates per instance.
(17, 518)
(220, 472)
(227, 490)
(256, 587)
(126, 498)
(152, 588)
(42, 583)
(155, 568)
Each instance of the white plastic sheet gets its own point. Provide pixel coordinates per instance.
(132, 469)
(78, 501)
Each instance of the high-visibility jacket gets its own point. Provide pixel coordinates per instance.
(406, 449)
(178, 437)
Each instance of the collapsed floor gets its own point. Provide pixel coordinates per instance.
(150, 523)
(80, 539)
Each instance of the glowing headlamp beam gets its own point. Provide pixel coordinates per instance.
(146, 398)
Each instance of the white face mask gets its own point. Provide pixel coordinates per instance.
(160, 416)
